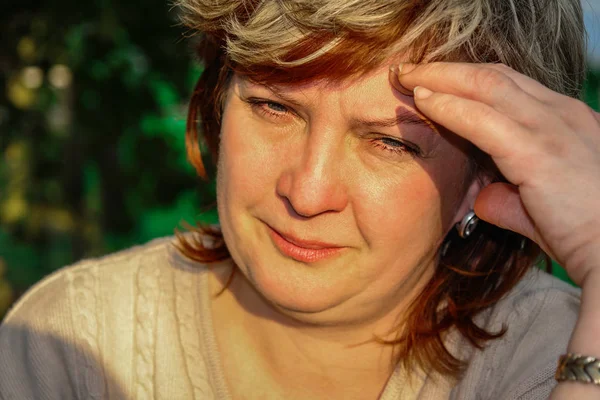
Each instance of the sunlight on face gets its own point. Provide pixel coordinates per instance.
(333, 199)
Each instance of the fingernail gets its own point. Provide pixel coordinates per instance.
(394, 75)
(405, 68)
(422, 93)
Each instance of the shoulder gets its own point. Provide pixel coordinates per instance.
(123, 266)
(544, 290)
(49, 296)
(538, 302)
(539, 315)
(59, 338)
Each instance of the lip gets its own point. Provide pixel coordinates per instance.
(307, 251)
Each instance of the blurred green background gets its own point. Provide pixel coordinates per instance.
(92, 117)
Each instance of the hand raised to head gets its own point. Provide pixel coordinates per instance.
(546, 144)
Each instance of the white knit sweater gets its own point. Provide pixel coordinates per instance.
(137, 325)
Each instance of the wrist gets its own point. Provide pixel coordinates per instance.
(586, 335)
(585, 339)
(584, 265)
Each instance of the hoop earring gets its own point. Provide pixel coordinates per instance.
(467, 225)
(445, 247)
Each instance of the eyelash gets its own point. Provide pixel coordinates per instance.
(398, 147)
(262, 106)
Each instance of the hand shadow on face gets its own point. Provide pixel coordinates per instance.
(449, 151)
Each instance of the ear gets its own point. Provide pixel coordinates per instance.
(468, 201)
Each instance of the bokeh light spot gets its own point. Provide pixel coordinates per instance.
(60, 76)
(20, 96)
(26, 49)
(32, 77)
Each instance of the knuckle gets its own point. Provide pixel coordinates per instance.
(502, 67)
(576, 113)
(491, 80)
(555, 147)
(460, 111)
(539, 120)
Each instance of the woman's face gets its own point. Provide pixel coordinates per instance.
(333, 199)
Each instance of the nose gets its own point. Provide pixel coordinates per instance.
(313, 183)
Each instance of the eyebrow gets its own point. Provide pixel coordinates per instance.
(404, 117)
(279, 93)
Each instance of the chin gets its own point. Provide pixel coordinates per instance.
(298, 289)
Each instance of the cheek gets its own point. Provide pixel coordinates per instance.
(452, 187)
(404, 212)
(242, 158)
(413, 210)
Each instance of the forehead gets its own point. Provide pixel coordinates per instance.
(370, 94)
(367, 102)
(331, 80)
(358, 86)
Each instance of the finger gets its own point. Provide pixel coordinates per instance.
(393, 77)
(500, 204)
(486, 128)
(558, 104)
(492, 85)
(529, 85)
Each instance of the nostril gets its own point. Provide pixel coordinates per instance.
(309, 199)
(314, 184)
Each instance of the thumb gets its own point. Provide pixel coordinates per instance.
(500, 204)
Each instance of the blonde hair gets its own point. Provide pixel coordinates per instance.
(291, 41)
(543, 39)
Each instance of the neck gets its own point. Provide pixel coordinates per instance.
(334, 352)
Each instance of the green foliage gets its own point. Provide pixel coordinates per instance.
(92, 123)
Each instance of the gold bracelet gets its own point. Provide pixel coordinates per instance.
(578, 368)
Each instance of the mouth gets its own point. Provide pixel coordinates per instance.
(307, 251)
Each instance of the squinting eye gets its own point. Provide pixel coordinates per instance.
(268, 108)
(396, 146)
(392, 143)
(276, 106)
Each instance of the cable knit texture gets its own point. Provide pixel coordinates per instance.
(137, 325)
(189, 335)
(145, 329)
(82, 291)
